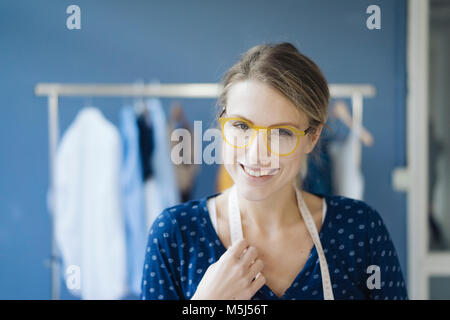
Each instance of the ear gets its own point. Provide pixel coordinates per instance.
(313, 137)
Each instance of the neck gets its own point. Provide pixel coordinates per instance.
(273, 213)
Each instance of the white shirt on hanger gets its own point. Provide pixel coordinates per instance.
(89, 226)
(348, 180)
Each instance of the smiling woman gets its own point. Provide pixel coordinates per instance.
(265, 238)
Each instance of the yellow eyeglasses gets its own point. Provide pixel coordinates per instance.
(240, 133)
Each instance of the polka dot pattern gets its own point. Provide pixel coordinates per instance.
(182, 244)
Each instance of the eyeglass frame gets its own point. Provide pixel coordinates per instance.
(297, 132)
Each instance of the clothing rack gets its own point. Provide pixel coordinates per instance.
(357, 92)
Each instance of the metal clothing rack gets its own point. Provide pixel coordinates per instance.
(357, 92)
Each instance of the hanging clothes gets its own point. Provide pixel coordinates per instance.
(185, 172)
(161, 190)
(146, 144)
(133, 205)
(88, 220)
(318, 178)
(348, 180)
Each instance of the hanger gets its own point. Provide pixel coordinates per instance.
(139, 101)
(341, 111)
(154, 82)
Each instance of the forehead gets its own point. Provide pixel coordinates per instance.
(262, 104)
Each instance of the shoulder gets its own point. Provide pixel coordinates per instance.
(349, 205)
(177, 220)
(352, 212)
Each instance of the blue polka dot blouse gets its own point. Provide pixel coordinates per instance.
(361, 257)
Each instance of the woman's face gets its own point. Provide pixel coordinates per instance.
(262, 105)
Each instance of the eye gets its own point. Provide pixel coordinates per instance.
(241, 125)
(285, 132)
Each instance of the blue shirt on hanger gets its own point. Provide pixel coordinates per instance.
(133, 203)
(182, 243)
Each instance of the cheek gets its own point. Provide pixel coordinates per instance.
(292, 164)
(232, 155)
(229, 157)
(305, 145)
(228, 154)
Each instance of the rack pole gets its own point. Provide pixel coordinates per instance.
(357, 111)
(53, 143)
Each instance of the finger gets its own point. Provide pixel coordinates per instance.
(237, 248)
(249, 256)
(257, 284)
(255, 269)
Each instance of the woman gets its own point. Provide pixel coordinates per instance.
(265, 238)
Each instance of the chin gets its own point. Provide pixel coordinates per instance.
(254, 190)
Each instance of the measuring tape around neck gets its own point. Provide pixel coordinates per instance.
(234, 220)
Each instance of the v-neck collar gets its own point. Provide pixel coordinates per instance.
(311, 261)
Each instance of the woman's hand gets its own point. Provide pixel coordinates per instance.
(232, 277)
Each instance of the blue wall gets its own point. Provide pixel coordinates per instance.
(176, 41)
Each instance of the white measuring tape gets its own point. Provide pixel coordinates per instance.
(234, 218)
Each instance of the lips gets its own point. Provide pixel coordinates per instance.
(259, 174)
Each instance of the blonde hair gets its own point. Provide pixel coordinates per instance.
(290, 72)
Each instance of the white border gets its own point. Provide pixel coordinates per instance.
(422, 263)
(417, 147)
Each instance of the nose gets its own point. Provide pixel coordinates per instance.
(257, 152)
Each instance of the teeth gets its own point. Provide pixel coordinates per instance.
(261, 172)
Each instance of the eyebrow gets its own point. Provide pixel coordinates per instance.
(274, 125)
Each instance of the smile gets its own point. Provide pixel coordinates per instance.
(259, 172)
